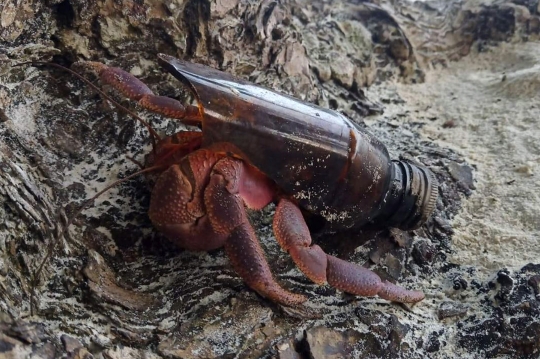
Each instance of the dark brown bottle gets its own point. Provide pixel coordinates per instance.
(317, 156)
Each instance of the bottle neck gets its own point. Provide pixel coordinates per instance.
(411, 198)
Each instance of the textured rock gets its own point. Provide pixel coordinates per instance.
(112, 286)
(102, 283)
(450, 309)
(331, 344)
(287, 351)
(463, 174)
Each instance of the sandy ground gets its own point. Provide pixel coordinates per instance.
(486, 108)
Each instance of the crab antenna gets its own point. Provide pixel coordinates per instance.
(153, 133)
(52, 245)
(154, 136)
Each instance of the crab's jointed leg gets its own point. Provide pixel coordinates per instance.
(172, 149)
(293, 235)
(232, 185)
(134, 89)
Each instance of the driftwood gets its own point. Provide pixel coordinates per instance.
(113, 287)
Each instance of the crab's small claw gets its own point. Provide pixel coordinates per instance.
(293, 235)
(134, 89)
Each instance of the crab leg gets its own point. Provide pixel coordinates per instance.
(172, 149)
(231, 185)
(134, 89)
(293, 235)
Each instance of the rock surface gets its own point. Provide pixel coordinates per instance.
(112, 287)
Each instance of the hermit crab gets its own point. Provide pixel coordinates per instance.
(255, 146)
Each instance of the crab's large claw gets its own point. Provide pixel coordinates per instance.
(293, 235)
(199, 205)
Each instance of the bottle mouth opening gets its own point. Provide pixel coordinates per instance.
(414, 192)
